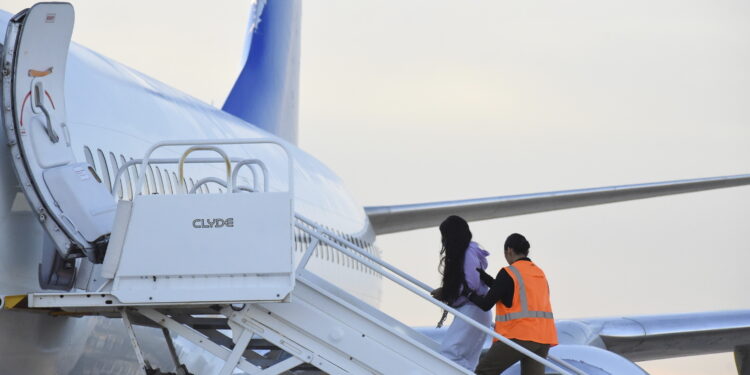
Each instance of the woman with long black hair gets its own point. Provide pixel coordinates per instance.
(459, 260)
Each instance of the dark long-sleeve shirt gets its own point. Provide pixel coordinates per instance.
(501, 289)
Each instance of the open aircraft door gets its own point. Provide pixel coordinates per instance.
(71, 203)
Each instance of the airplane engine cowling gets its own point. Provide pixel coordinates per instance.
(589, 359)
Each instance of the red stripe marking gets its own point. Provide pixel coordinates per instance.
(50, 99)
(28, 95)
(24, 104)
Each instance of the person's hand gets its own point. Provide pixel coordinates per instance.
(437, 294)
(485, 277)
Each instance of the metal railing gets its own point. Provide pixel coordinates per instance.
(322, 235)
(204, 145)
(120, 174)
(211, 145)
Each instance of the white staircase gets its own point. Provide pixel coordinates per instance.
(205, 278)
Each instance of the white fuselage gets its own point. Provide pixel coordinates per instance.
(116, 113)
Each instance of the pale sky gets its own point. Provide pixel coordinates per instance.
(415, 101)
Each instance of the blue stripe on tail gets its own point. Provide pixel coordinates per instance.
(266, 93)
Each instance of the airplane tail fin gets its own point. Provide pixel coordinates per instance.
(266, 93)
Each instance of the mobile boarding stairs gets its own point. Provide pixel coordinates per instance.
(225, 261)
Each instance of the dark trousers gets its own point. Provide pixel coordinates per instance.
(500, 356)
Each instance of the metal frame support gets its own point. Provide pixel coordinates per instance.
(170, 345)
(198, 339)
(239, 348)
(233, 359)
(282, 366)
(306, 257)
(134, 341)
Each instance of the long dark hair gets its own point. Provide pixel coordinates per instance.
(456, 237)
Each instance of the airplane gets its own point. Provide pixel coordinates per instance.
(103, 114)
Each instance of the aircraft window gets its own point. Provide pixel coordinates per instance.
(159, 181)
(135, 174)
(146, 188)
(175, 184)
(296, 240)
(128, 180)
(89, 157)
(151, 179)
(116, 167)
(105, 169)
(167, 182)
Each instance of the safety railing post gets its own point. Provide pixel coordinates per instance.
(306, 257)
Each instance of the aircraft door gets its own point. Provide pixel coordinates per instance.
(71, 203)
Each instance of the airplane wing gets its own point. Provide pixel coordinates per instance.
(645, 338)
(589, 343)
(399, 218)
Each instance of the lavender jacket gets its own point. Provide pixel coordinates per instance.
(476, 257)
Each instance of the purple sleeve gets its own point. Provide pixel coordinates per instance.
(471, 263)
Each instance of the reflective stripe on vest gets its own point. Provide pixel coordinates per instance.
(524, 313)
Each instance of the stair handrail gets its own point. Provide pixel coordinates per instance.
(249, 164)
(323, 235)
(217, 181)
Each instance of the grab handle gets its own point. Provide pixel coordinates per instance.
(37, 103)
(219, 151)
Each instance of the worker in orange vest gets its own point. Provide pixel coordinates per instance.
(520, 293)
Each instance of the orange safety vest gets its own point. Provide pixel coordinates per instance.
(530, 317)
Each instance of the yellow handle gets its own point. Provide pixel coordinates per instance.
(219, 151)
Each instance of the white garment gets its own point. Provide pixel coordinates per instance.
(463, 343)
